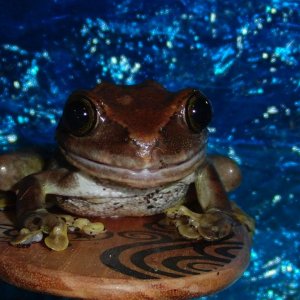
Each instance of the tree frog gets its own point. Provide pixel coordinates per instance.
(126, 151)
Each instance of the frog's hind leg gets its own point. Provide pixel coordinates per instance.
(15, 166)
(228, 171)
(230, 177)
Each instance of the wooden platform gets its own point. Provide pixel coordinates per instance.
(137, 258)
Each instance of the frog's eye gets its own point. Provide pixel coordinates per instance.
(198, 112)
(79, 116)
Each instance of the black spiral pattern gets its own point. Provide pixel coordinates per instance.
(141, 235)
(7, 232)
(155, 255)
(156, 251)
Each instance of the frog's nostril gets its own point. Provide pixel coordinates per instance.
(145, 148)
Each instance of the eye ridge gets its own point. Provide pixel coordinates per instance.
(198, 112)
(80, 116)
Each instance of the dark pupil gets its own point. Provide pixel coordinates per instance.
(200, 112)
(78, 117)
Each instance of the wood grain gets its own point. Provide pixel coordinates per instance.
(136, 258)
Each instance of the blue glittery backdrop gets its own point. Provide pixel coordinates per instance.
(243, 54)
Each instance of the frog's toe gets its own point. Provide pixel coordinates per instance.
(214, 226)
(58, 238)
(26, 237)
(40, 223)
(188, 231)
(87, 227)
(55, 227)
(41, 220)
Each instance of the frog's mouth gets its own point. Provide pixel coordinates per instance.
(140, 178)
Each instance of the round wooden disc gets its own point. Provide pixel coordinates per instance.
(136, 258)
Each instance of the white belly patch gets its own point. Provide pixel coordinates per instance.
(119, 201)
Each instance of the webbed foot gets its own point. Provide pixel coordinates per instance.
(55, 227)
(211, 225)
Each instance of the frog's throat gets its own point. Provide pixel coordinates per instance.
(143, 178)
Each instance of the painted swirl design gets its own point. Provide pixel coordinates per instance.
(7, 232)
(151, 249)
(141, 235)
(159, 252)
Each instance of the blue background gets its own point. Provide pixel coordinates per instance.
(243, 54)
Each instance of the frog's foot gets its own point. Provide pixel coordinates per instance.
(40, 223)
(55, 227)
(212, 225)
(243, 218)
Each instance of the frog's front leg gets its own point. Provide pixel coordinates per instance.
(32, 214)
(219, 216)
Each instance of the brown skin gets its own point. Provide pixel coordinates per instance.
(139, 127)
(136, 138)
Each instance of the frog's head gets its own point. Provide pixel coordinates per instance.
(140, 135)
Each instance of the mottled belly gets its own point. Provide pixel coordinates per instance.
(143, 203)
